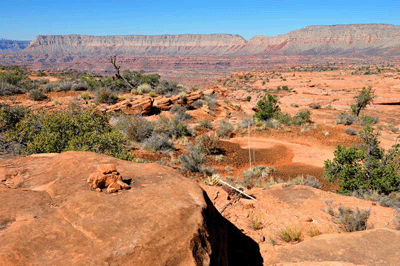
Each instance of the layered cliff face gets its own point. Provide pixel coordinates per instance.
(9, 46)
(366, 39)
(186, 44)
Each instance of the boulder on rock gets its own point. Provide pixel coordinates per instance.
(108, 177)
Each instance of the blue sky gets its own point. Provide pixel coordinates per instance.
(23, 20)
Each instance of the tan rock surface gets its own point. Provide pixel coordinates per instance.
(374, 247)
(54, 218)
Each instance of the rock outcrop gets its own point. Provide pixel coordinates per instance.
(52, 217)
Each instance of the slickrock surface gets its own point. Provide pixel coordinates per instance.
(50, 216)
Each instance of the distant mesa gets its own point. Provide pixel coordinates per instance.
(9, 46)
(367, 39)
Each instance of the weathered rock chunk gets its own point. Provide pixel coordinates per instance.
(107, 176)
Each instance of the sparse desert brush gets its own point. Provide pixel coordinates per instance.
(392, 128)
(144, 88)
(246, 123)
(37, 95)
(366, 120)
(225, 129)
(158, 142)
(351, 131)
(256, 176)
(314, 231)
(105, 95)
(180, 113)
(153, 94)
(306, 181)
(208, 143)
(86, 96)
(79, 87)
(173, 127)
(206, 123)
(290, 234)
(212, 180)
(345, 119)
(302, 117)
(315, 106)
(256, 222)
(136, 128)
(192, 161)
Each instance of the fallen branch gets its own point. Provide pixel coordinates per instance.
(238, 190)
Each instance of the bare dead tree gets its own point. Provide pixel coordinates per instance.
(113, 60)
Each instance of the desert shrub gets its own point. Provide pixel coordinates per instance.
(10, 89)
(65, 86)
(307, 181)
(91, 82)
(315, 106)
(86, 96)
(144, 88)
(135, 128)
(11, 77)
(366, 120)
(367, 167)
(37, 95)
(211, 101)
(193, 161)
(10, 116)
(208, 143)
(284, 118)
(271, 123)
(180, 113)
(158, 142)
(302, 117)
(350, 220)
(314, 231)
(345, 119)
(172, 127)
(255, 221)
(246, 123)
(206, 123)
(66, 131)
(43, 81)
(392, 200)
(79, 87)
(351, 131)
(290, 234)
(255, 176)
(225, 129)
(168, 88)
(392, 128)
(198, 104)
(105, 95)
(268, 108)
(363, 99)
(51, 86)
